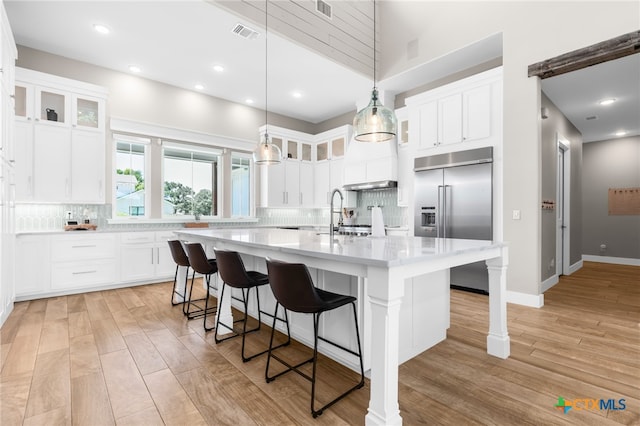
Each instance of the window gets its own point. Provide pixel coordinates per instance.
(240, 185)
(190, 180)
(130, 194)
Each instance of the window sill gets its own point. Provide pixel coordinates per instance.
(132, 221)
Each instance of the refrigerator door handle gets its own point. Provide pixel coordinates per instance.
(446, 214)
(439, 211)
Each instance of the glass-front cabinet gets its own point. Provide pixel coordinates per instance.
(51, 106)
(87, 112)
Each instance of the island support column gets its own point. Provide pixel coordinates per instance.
(498, 341)
(385, 290)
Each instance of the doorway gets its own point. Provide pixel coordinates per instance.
(563, 187)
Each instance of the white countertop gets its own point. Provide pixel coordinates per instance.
(387, 251)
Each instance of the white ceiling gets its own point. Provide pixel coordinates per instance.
(577, 94)
(179, 42)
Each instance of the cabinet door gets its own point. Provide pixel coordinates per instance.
(87, 166)
(137, 262)
(337, 179)
(23, 152)
(52, 163)
(30, 280)
(292, 183)
(450, 119)
(405, 174)
(306, 185)
(428, 125)
(321, 183)
(87, 113)
(165, 266)
(24, 108)
(275, 181)
(477, 113)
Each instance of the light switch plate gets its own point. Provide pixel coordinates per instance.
(516, 215)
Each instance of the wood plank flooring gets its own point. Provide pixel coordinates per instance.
(128, 357)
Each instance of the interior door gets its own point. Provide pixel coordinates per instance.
(560, 225)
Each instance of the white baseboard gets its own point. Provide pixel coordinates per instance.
(548, 283)
(575, 267)
(531, 300)
(609, 259)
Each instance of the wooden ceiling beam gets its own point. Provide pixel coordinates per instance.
(627, 44)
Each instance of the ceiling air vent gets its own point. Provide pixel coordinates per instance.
(591, 117)
(324, 8)
(245, 32)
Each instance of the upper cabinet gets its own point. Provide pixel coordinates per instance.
(465, 112)
(288, 184)
(60, 139)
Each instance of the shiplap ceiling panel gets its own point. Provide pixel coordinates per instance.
(347, 38)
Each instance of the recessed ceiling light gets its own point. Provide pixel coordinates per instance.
(621, 133)
(199, 87)
(249, 101)
(296, 94)
(134, 68)
(101, 29)
(218, 68)
(608, 101)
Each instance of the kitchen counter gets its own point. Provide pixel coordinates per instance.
(384, 264)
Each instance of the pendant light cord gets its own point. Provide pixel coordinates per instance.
(374, 44)
(266, 70)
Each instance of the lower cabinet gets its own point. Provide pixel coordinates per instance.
(53, 264)
(145, 256)
(80, 261)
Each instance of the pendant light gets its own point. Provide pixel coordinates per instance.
(266, 153)
(375, 122)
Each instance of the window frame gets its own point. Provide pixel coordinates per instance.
(191, 147)
(148, 185)
(252, 203)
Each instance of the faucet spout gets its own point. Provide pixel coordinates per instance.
(332, 211)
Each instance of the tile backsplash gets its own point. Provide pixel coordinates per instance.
(53, 217)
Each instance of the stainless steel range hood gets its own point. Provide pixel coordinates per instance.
(381, 184)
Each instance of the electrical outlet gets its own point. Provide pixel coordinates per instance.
(516, 215)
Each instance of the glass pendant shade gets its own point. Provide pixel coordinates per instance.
(267, 153)
(375, 122)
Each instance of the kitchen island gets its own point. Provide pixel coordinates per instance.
(383, 264)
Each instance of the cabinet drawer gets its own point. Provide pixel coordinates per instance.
(82, 274)
(137, 237)
(83, 247)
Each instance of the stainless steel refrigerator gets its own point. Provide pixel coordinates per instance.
(453, 199)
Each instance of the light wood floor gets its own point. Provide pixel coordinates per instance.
(127, 357)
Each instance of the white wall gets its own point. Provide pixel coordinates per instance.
(532, 31)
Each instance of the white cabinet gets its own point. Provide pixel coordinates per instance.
(287, 184)
(32, 265)
(329, 166)
(145, 256)
(60, 139)
(8, 55)
(467, 110)
(83, 261)
(405, 159)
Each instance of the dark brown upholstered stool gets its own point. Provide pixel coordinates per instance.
(293, 288)
(233, 273)
(207, 267)
(181, 259)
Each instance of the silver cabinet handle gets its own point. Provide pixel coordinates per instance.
(85, 246)
(84, 272)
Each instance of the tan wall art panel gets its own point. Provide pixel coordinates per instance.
(624, 201)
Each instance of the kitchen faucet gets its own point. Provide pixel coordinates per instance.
(332, 211)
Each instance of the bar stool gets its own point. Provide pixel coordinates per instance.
(233, 273)
(181, 259)
(293, 288)
(207, 267)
